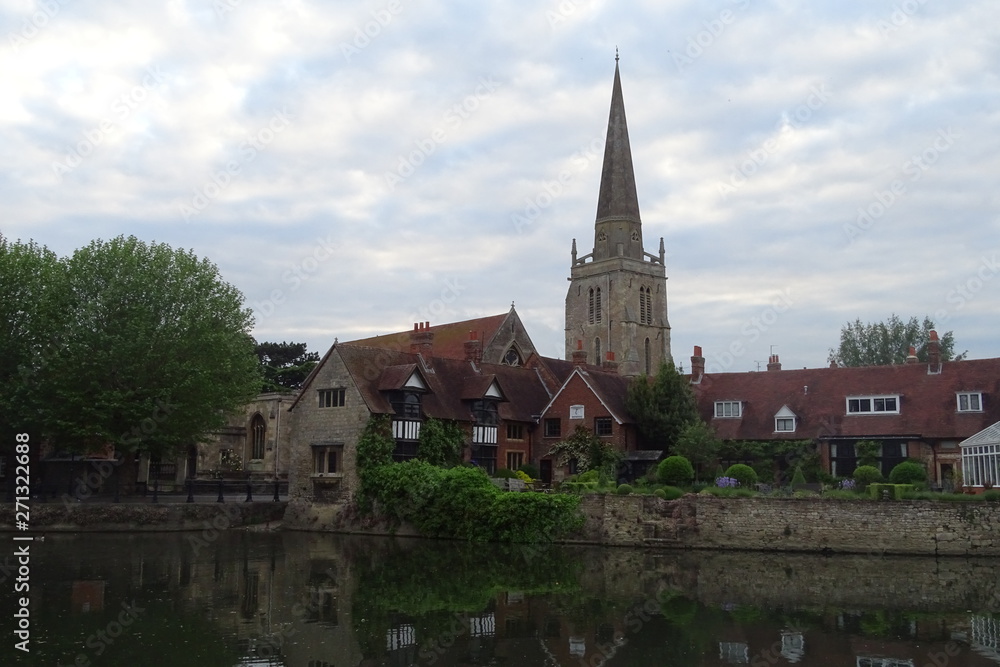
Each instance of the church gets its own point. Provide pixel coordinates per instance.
(513, 404)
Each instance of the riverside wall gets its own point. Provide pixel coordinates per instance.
(137, 517)
(794, 524)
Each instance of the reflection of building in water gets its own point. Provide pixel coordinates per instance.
(984, 635)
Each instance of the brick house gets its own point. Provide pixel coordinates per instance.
(915, 410)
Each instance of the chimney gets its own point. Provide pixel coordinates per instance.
(933, 354)
(579, 354)
(610, 365)
(473, 348)
(911, 357)
(773, 364)
(697, 365)
(422, 340)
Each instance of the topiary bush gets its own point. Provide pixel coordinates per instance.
(743, 474)
(865, 475)
(624, 490)
(660, 493)
(798, 478)
(908, 472)
(675, 470)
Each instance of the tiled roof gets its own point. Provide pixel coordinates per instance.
(449, 339)
(927, 404)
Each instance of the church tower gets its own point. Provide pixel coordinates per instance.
(617, 300)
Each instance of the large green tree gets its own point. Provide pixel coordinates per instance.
(285, 366)
(662, 408)
(888, 343)
(698, 444)
(149, 350)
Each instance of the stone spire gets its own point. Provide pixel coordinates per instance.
(617, 198)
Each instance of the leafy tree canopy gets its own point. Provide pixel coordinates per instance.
(285, 366)
(136, 345)
(698, 444)
(888, 343)
(662, 408)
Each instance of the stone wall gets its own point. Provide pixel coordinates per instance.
(124, 517)
(795, 524)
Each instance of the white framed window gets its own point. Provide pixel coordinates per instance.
(331, 398)
(970, 401)
(728, 409)
(981, 464)
(576, 412)
(866, 405)
(784, 424)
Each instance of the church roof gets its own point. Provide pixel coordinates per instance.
(449, 339)
(617, 198)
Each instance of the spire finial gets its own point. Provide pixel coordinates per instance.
(616, 55)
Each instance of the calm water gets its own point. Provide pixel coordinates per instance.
(335, 601)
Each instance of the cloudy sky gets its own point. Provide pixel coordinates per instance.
(354, 167)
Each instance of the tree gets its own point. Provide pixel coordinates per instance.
(150, 351)
(589, 451)
(663, 408)
(888, 343)
(698, 444)
(285, 365)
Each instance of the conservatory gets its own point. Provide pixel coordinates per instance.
(981, 458)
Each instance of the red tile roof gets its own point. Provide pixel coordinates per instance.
(449, 339)
(927, 403)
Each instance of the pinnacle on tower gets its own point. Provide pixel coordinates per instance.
(617, 198)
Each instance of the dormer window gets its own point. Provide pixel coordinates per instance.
(970, 401)
(728, 409)
(784, 420)
(863, 405)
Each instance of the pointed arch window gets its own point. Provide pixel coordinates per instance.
(594, 305)
(645, 305)
(258, 431)
(512, 357)
(648, 361)
(597, 351)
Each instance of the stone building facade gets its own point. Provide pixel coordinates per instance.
(617, 298)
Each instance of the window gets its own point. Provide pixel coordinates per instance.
(512, 358)
(515, 431)
(861, 405)
(515, 460)
(552, 428)
(405, 404)
(971, 401)
(602, 426)
(326, 459)
(258, 429)
(728, 408)
(485, 412)
(594, 305)
(784, 424)
(576, 412)
(597, 351)
(649, 360)
(331, 398)
(645, 305)
(735, 653)
(981, 463)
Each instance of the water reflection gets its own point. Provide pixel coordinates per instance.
(340, 601)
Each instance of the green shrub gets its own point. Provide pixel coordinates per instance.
(888, 491)
(523, 476)
(589, 476)
(729, 492)
(675, 470)
(660, 493)
(865, 475)
(531, 470)
(908, 472)
(992, 495)
(624, 490)
(504, 473)
(578, 487)
(797, 477)
(743, 474)
(671, 492)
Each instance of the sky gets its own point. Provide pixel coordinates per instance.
(355, 167)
